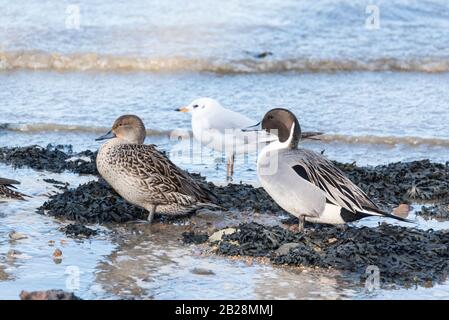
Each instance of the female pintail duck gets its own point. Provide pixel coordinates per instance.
(144, 176)
(6, 190)
(220, 129)
(305, 183)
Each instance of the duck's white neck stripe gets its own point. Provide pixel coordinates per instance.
(277, 145)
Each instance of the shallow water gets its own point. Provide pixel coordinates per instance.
(225, 37)
(380, 96)
(354, 104)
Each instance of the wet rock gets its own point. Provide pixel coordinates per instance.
(263, 55)
(57, 256)
(218, 236)
(13, 254)
(196, 238)
(76, 230)
(202, 272)
(3, 275)
(402, 210)
(48, 295)
(403, 255)
(51, 158)
(58, 184)
(57, 253)
(285, 248)
(14, 235)
(53, 181)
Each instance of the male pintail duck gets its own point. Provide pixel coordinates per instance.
(144, 176)
(305, 183)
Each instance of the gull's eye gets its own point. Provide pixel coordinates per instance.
(195, 106)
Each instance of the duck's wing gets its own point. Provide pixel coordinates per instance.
(338, 189)
(8, 182)
(147, 164)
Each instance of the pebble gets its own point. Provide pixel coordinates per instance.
(218, 236)
(13, 235)
(202, 271)
(57, 253)
(402, 210)
(48, 295)
(285, 248)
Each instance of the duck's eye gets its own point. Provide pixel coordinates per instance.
(195, 106)
(270, 117)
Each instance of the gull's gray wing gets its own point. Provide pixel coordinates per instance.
(228, 119)
(226, 126)
(338, 189)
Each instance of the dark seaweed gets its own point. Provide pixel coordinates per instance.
(48, 295)
(51, 158)
(76, 230)
(437, 211)
(94, 202)
(196, 238)
(403, 255)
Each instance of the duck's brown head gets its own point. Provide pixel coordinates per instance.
(129, 128)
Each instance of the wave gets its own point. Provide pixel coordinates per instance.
(55, 127)
(36, 128)
(385, 140)
(38, 60)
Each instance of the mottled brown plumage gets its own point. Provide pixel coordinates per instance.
(146, 177)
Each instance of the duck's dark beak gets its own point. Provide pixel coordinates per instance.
(256, 127)
(109, 135)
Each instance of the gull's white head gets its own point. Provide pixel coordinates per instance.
(201, 106)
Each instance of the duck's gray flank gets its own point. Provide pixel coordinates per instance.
(338, 189)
